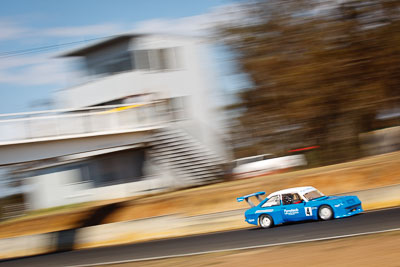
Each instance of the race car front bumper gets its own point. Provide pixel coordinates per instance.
(348, 211)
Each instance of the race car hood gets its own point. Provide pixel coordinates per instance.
(344, 199)
(341, 198)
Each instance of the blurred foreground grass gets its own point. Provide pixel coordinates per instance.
(362, 174)
(369, 250)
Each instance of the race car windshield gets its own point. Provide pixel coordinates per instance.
(313, 195)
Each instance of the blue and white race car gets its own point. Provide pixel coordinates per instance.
(298, 204)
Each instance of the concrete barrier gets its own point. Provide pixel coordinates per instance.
(168, 226)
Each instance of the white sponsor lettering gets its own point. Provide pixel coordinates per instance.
(291, 211)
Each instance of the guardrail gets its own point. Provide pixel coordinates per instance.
(94, 120)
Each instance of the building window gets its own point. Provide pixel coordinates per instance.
(120, 63)
(158, 59)
(149, 60)
(173, 58)
(155, 59)
(142, 60)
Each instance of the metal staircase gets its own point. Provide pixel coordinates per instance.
(187, 158)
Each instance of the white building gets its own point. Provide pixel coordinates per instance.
(152, 97)
(137, 68)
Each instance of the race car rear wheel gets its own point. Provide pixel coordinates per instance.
(266, 221)
(325, 212)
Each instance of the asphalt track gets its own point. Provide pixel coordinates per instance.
(298, 232)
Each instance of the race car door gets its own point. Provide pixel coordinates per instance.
(293, 209)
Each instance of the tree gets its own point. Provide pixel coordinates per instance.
(321, 71)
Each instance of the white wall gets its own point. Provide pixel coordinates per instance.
(54, 189)
(66, 187)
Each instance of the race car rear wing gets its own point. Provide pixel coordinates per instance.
(246, 197)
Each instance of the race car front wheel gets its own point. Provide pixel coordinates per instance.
(325, 212)
(266, 221)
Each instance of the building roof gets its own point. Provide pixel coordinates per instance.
(107, 41)
(100, 45)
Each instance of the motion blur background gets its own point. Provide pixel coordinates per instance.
(123, 100)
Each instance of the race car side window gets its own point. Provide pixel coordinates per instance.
(296, 198)
(313, 195)
(288, 199)
(272, 201)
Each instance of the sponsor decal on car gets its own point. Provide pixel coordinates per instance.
(291, 212)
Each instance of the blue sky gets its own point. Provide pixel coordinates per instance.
(26, 80)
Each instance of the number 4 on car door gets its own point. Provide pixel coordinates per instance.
(308, 211)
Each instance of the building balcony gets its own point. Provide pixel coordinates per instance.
(84, 122)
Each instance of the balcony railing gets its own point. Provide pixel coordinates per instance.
(68, 123)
